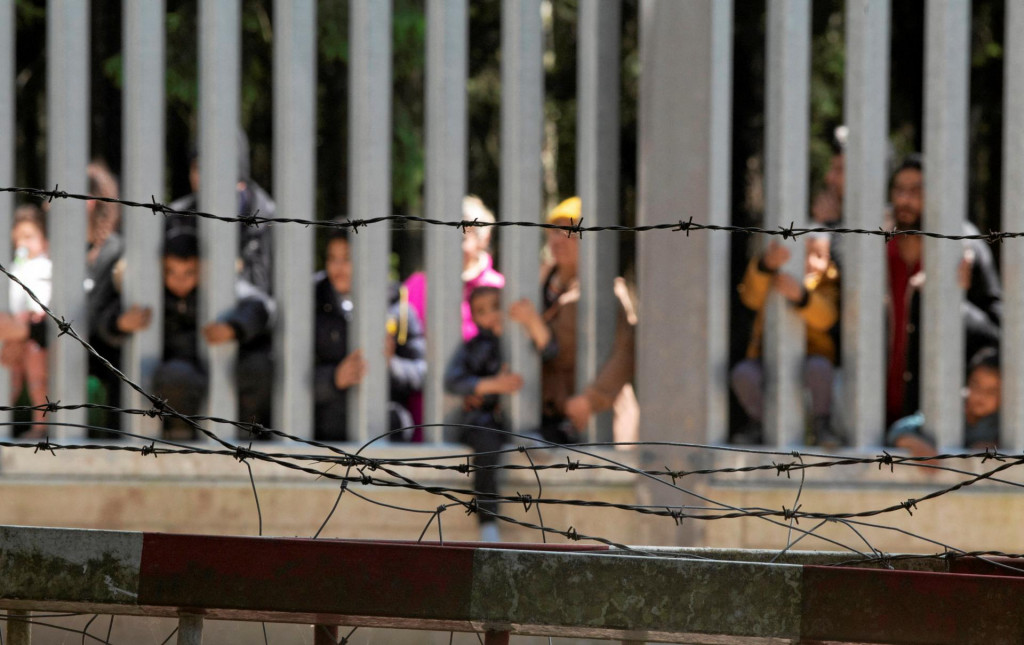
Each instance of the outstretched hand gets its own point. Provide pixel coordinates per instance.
(135, 319)
(218, 332)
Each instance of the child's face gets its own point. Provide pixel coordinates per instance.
(983, 392)
(28, 235)
(339, 266)
(486, 311)
(181, 275)
(819, 254)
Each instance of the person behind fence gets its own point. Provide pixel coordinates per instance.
(181, 378)
(565, 414)
(977, 276)
(255, 251)
(477, 271)
(981, 412)
(26, 359)
(815, 298)
(478, 373)
(338, 368)
(105, 248)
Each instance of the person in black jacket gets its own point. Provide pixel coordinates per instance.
(477, 373)
(338, 368)
(181, 377)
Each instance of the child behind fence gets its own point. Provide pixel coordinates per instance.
(476, 372)
(26, 359)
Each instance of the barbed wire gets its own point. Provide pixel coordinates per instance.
(254, 219)
(359, 474)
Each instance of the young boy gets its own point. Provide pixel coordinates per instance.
(26, 359)
(476, 372)
(981, 412)
(181, 377)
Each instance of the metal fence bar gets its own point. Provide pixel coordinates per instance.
(19, 629)
(684, 112)
(597, 170)
(67, 110)
(1012, 413)
(867, 117)
(7, 171)
(143, 177)
(522, 119)
(190, 629)
(947, 73)
(219, 86)
(447, 65)
(787, 114)
(370, 195)
(294, 173)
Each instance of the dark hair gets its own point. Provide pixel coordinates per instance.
(912, 161)
(483, 291)
(180, 243)
(984, 358)
(32, 214)
(338, 233)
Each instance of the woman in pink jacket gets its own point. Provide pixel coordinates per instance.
(477, 266)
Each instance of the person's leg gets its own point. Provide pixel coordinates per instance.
(255, 378)
(747, 380)
(36, 381)
(818, 375)
(183, 385)
(484, 443)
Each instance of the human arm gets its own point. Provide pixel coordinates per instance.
(523, 312)
(248, 319)
(331, 378)
(760, 275)
(817, 307)
(618, 370)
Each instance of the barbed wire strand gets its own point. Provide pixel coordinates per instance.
(254, 219)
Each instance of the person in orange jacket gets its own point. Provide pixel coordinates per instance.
(815, 298)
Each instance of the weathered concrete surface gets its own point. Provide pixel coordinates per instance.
(636, 594)
(94, 566)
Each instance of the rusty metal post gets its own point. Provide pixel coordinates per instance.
(325, 635)
(496, 638)
(19, 629)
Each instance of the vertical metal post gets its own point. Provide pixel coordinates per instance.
(447, 55)
(190, 629)
(19, 629)
(947, 74)
(219, 87)
(1012, 412)
(67, 110)
(867, 117)
(787, 117)
(7, 174)
(682, 333)
(294, 173)
(370, 196)
(143, 178)
(325, 635)
(597, 170)
(496, 638)
(522, 120)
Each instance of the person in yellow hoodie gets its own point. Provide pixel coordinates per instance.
(816, 299)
